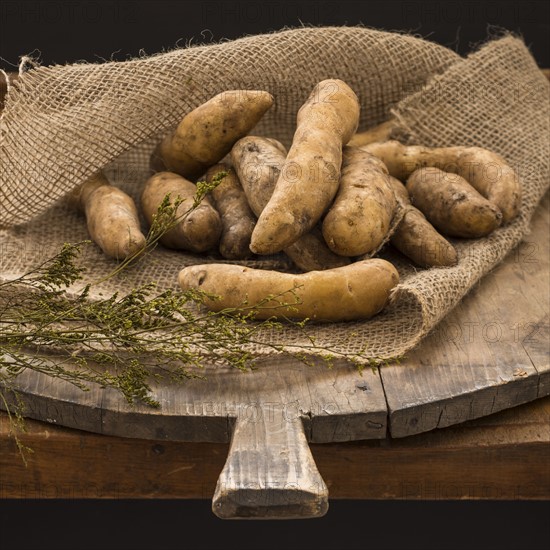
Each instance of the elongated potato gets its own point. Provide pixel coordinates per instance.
(356, 291)
(417, 238)
(451, 204)
(402, 160)
(491, 176)
(400, 191)
(206, 134)
(310, 175)
(237, 219)
(363, 209)
(258, 162)
(111, 217)
(485, 170)
(198, 230)
(382, 132)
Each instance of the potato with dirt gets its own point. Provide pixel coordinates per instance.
(309, 178)
(360, 217)
(416, 237)
(354, 292)
(197, 229)
(238, 221)
(493, 178)
(451, 204)
(484, 170)
(258, 162)
(111, 217)
(206, 134)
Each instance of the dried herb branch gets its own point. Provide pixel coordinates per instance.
(126, 342)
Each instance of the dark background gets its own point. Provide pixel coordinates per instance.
(349, 525)
(65, 31)
(61, 32)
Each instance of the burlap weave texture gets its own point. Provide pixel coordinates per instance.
(63, 123)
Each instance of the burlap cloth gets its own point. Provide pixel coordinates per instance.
(63, 123)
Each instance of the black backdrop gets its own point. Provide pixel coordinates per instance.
(66, 31)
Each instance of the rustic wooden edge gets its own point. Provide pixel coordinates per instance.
(334, 404)
(501, 456)
(458, 372)
(269, 472)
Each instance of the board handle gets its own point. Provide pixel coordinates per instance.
(270, 472)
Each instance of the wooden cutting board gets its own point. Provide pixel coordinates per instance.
(489, 354)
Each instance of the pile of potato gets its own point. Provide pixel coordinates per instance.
(330, 203)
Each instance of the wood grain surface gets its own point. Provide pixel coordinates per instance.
(269, 472)
(490, 353)
(334, 404)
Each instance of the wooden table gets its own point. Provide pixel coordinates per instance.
(502, 456)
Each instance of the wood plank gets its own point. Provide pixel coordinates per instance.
(68, 463)
(490, 353)
(70, 407)
(336, 404)
(505, 455)
(269, 472)
(501, 456)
